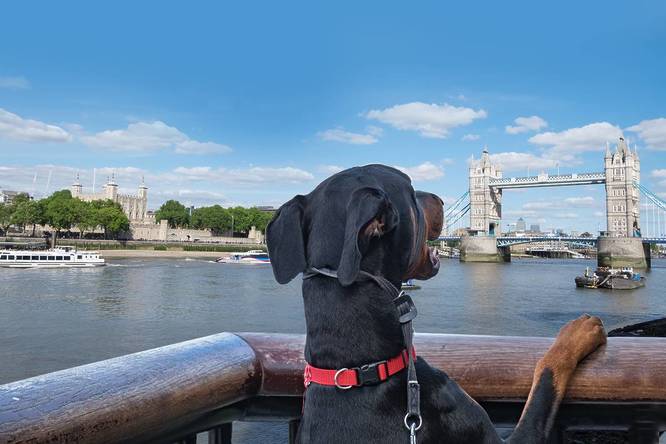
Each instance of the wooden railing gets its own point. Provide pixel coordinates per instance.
(170, 393)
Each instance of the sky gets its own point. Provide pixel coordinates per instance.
(250, 103)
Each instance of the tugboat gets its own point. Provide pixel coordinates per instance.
(611, 278)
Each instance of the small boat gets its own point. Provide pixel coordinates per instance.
(252, 257)
(410, 285)
(60, 257)
(612, 278)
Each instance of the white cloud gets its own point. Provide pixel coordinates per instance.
(652, 132)
(538, 205)
(246, 176)
(566, 144)
(15, 127)
(195, 147)
(563, 204)
(525, 124)
(151, 136)
(425, 171)
(429, 120)
(515, 161)
(340, 135)
(330, 169)
(471, 137)
(581, 202)
(14, 82)
(658, 173)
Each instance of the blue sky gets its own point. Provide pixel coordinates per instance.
(252, 103)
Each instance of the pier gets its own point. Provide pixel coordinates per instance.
(170, 394)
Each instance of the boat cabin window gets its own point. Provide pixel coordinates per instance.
(3, 257)
(51, 258)
(78, 256)
(66, 258)
(58, 258)
(26, 258)
(11, 257)
(42, 258)
(35, 258)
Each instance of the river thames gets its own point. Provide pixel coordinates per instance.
(54, 319)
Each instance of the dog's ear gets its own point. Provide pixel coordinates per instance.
(433, 208)
(284, 238)
(369, 214)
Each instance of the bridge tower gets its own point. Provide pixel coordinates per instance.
(485, 202)
(485, 214)
(622, 246)
(622, 169)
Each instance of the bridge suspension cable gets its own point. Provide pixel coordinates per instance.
(455, 217)
(653, 213)
(456, 204)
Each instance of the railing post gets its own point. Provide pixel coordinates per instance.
(220, 434)
(293, 430)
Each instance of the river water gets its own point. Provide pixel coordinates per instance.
(54, 319)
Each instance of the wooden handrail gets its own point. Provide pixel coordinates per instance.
(139, 396)
(130, 398)
(496, 367)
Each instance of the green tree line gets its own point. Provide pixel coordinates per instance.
(216, 218)
(61, 212)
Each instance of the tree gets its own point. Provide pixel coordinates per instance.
(260, 219)
(85, 216)
(242, 219)
(174, 212)
(60, 211)
(5, 218)
(215, 218)
(28, 212)
(112, 219)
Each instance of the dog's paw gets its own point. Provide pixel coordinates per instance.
(580, 337)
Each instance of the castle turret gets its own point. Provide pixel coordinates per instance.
(111, 188)
(77, 188)
(142, 204)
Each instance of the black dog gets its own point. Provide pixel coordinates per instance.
(367, 225)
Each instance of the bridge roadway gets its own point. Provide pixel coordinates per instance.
(506, 241)
(547, 180)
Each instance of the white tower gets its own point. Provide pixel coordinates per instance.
(485, 203)
(622, 169)
(77, 188)
(111, 189)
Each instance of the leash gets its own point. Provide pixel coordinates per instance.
(347, 378)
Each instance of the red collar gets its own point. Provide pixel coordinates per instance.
(346, 378)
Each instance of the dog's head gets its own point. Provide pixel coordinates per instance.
(366, 218)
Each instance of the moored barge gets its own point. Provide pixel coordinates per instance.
(611, 278)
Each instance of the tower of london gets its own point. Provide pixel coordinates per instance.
(134, 206)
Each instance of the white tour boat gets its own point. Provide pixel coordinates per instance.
(55, 258)
(252, 257)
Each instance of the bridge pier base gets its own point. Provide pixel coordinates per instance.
(483, 249)
(623, 252)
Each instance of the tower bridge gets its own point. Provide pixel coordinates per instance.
(621, 244)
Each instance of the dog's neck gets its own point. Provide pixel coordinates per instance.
(349, 326)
